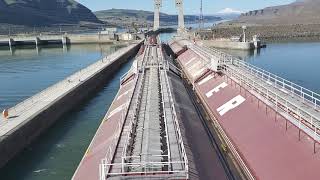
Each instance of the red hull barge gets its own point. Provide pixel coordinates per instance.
(265, 144)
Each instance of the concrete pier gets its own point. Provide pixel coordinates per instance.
(58, 39)
(28, 119)
(228, 44)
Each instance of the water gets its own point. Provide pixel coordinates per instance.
(296, 61)
(57, 153)
(28, 71)
(166, 37)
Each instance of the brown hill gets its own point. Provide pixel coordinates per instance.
(299, 12)
(44, 12)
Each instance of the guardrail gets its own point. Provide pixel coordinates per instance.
(177, 127)
(245, 73)
(104, 170)
(146, 168)
(277, 81)
(278, 101)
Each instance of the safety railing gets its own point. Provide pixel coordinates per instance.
(278, 101)
(63, 86)
(177, 127)
(110, 152)
(112, 147)
(105, 170)
(143, 168)
(246, 73)
(127, 167)
(278, 82)
(131, 117)
(163, 107)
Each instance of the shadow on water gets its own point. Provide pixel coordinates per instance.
(57, 152)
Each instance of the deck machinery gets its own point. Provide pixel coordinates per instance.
(150, 144)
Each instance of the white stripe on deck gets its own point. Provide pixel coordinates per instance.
(118, 109)
(192, 59)
(123, 94)
(216, 89)
(233, 103)
(193, 66)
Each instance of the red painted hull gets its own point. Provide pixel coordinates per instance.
(106, 134)
(262, 141)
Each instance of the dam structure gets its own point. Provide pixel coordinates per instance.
(63, 39)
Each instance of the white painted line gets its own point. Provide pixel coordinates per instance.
(192, 59)
(123, 94)
(204, 80)
(193, 65)
(216, 89)
(233, 103)
(117, 110)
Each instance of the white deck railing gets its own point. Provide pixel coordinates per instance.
(145, 168)
(259, 80)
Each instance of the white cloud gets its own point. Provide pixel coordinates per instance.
(229, 11)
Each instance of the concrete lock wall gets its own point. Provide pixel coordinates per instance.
(100, 38)
(229, 44)
(25, 133)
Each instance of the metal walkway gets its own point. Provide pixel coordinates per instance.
(150, 144)
(298, 105)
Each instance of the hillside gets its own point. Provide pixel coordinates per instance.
(298, 12)
(125, 17)
(44, 12)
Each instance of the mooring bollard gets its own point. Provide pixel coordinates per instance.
(5, 113)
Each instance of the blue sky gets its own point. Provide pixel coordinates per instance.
(191, 6)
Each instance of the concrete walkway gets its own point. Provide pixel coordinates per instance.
(29, 108)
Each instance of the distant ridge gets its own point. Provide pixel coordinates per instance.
(299, 12)
(125, 17)
(44, 12)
